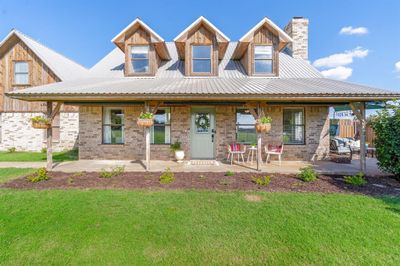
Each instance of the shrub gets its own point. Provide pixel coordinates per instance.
(11, 150)
(39, 175)
(44, 150)
(265, 120)
(176, 146)
(229, 173)
(117, 170)
(386, 125)
(76, 174)
(308, 174)
(146, 115)
(167, 177)
(355, 180)
(261, 180)
(40, 119)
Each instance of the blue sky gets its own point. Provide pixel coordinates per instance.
(82, 30)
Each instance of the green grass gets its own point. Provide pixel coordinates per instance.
(117, 227)
(11, 173)
(70, 155)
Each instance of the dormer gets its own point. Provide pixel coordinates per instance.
(143, 47)
(201, 46)
(258, 50)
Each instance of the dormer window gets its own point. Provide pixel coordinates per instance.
(201, 59)
(140, 58)
(263, 56)
(21, 73)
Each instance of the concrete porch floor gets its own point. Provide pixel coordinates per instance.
(324, 167)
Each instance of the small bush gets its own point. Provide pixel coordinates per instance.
(76, 174)
(11, 150)
(261, 180)
(44, 150)
(114, 172)
(308, 174)
(355, 180)
(177, 146)
(70, 180)
(167, 177)
(229, 173)
(39, 175)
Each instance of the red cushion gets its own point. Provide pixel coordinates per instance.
(235, 147)
(274, 148)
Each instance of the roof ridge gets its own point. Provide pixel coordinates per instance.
(47, 47)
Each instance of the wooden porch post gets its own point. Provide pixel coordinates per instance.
(147, 136)
(259, 141)
(49, 141)
(359, 111)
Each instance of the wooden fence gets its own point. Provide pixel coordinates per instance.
(349, 129)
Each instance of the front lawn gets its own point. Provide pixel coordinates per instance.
(70, 155)
(119, 227)
(6, 174)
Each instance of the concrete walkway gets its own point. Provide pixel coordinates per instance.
(287, 167)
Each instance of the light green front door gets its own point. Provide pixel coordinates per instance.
(203, 133)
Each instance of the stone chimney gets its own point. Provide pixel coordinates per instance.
(298, 30)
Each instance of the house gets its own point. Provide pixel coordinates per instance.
(24, 63)
(204, 76)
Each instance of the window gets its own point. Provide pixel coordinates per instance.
(21, 73)
(245, 127)
(201, 58)
(263, 59)
(293, 126)
(140, 59)
(113, 125)
(161, 131)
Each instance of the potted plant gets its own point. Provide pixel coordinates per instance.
(263, 124)
(40, 122)
(179, 153)
(145, 120)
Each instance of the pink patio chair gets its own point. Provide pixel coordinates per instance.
(238, 149)
(274, 150)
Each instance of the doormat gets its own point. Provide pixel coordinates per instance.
(203, 162)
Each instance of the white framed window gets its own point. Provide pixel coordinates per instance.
(245, 127)
(21, 72)
(113, 125)
(201, 58)
(263, 59)
(293, 126)
(160, 132)
(140, 58)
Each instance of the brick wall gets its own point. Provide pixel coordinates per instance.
(91, 147)
(17, 132)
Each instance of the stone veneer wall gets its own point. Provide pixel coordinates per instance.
(91, 147)
(17, 132)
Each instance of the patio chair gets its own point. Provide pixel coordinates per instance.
(238, 149)
(274, 150)
(341, 151)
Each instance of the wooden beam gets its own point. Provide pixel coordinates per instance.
(49, 141)
(55, 111)
(147, 139)
(154, 111)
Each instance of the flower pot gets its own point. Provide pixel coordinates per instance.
(40, 125)
(146, 123)
(263, 128)
(179, 155)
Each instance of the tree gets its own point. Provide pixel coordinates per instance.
(386, 125)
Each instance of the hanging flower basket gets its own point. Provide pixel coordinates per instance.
(145, 120)
(40, 122)
(263, 125)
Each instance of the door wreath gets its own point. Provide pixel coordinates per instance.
(202, 121)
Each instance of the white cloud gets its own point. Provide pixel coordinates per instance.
(340, 73)
(349, 30)
(397, 67)
(341, 59)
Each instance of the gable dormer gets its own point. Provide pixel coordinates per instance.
(144, 49)
(201, 46)
(258, 50)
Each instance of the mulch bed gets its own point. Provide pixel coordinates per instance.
(208, 181)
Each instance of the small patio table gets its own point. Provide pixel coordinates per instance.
(252, 153)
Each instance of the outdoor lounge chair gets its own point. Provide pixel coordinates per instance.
(238, 149)
(274, 150)
(340, 150)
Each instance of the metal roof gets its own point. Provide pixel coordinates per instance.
(63, 67)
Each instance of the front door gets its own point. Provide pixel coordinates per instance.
(203, 133)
